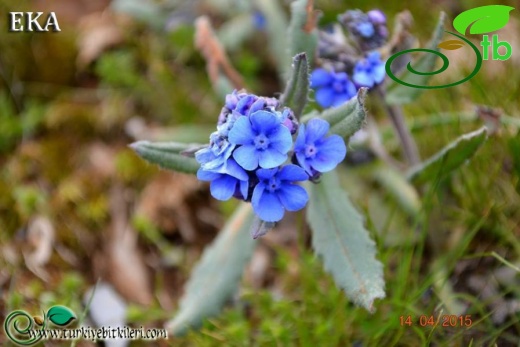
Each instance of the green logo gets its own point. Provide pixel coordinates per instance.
(20, 326)
(479, 20)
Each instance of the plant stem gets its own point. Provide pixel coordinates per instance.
(396, 116)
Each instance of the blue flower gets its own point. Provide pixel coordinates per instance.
(244, 104)
(259, 21)
(275, 192)
(224, 185)
(264, 140)
(365, 29)
(316, 153)
(332, 89)
(370, 71)
(216, 154)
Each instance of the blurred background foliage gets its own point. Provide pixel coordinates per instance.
(126, 70)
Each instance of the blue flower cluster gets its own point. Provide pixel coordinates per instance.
(369, 30)
(252, 156)
(334, 88)
(345, 68)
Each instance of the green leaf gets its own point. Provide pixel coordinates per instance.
(449, 158)
(167, 155)
(217, 275)
(483, 19)
(297, 89)
(276, 26)
(396, 184)
(398, 94)
(302, 32)
(346, 119)
(339, 237)
(60, 315)
(235, 31)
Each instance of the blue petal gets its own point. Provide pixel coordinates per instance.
(374, 57)
(340, 99)
(351, 89)
(204, 155)
(223, 187)
(280, 139)
(292, 173)
(265, 174)
(244, 103)
(379, 73)
(271, 158)
(267, 206)
(316, 129)
(244, 188)
(363, 78)
(264, 121)
(299, 144)
(330, 152)
(233, 169)
(247, 157)
(324, 96)
(366, 29)
(203, 175)
(302, 160)
(241, 133)
(292, 197)
(320, 78)
(257, 106)
(258, 192)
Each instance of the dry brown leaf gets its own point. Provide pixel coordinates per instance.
(39, 245)
(98, 32)
(216, 59)
(125, 266)
(163, 202)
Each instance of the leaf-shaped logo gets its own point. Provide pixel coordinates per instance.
(60, 315)
(451, 45)
(482, 20)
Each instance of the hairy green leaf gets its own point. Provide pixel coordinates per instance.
(449, 158)
(60, 315)
(339, 237)
(396, 93)
(297, 89)
(302, 33)
(217, 275)
(483, 19)
(167, 155)
(346, 119)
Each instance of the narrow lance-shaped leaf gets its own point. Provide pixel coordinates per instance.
(297, 89)
(449, 158)
(302, 33)
(346, 119)
(217, 275)
(397, 93)
(339, 237)
(483, 19)
(167, 155)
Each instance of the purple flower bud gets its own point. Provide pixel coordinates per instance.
(377, 17)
